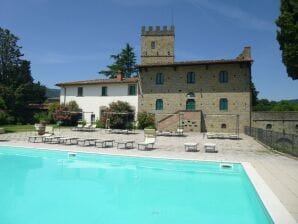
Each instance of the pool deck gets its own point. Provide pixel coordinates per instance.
(280, 172)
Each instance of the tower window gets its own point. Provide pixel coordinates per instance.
(159, 79)
(152, 44)
(191, 77)
(159, 104)
(80, 91)
(223, 77)
(223, 104)
(223, 126)
(268, 126)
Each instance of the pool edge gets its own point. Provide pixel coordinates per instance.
(277, 211)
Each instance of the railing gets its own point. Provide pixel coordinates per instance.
(283, 142)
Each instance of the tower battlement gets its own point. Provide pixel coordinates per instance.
(157, 31)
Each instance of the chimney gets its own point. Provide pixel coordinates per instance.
(245, 54)
(120, 75)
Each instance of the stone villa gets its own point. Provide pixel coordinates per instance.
(204, 95)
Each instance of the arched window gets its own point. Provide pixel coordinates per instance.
(159, 79)
(190, 95)
(223, 126)
(268, 126)
(159, 104)
(191, 77)
(190, 104)
(223, 104)
(223, 76)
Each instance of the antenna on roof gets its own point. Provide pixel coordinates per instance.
(172, 17)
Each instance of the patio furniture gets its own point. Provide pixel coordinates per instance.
(104, 143)
(191, 147)
(179, 132)
(68, 141)
(150, 138)
(126, 144)
(35, 138)
(210, 147)
(52, 139)
(86, 141)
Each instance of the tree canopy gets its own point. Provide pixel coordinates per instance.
(283, 105)
(125, 61)
(17, 89)
(287, 35)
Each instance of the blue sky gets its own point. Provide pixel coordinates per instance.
(68, 40)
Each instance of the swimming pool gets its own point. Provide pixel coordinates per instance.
(40, 186)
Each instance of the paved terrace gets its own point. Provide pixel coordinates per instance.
(280, 172)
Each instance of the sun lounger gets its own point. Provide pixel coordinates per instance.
(191, 147)
(104, 143)
(68, 141)
(79, 127)
(86, 141)
(126, 144)
(150, 138)
(179, 132)
(210, 147)
(52, 139)
(38, 138)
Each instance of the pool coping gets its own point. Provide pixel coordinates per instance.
(277, 211)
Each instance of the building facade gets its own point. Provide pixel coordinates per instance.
(205, 95)
(94, 96)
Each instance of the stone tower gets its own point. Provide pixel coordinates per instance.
(157, 45)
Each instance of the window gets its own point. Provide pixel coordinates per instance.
(152, 44)
(92, 118)
(268, 126)
(296, 126)
(80, 91)
(104, 91)
(223, 77)
(190, 104)
(223, 104)
(191, 77)
(223, 126)
(132, 90)
(159, 104)
(159, 79)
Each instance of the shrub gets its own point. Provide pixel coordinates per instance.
(5, 118)
(146, 120)
(42, 117)
(120, 115)
(99, 124)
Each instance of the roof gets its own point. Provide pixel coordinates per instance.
(98, 81)
(199, 62)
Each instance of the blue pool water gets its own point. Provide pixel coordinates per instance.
(39, 186)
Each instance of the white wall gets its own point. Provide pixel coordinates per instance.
(91, 101)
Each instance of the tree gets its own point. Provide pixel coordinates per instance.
(254, 94)
(287, 35)
(17, 87)
(124, 61)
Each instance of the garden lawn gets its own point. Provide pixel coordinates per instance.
(18, 128)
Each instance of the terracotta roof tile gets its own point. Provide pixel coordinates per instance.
(199, 62)
(98, 81)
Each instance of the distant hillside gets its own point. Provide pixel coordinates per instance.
(52, 93)
(293, 101)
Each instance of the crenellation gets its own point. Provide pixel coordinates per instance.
(165, 31)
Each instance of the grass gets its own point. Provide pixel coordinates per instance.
(18, 128)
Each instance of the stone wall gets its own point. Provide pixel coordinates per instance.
(164, 45)
(285, 122)
(207, 90)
